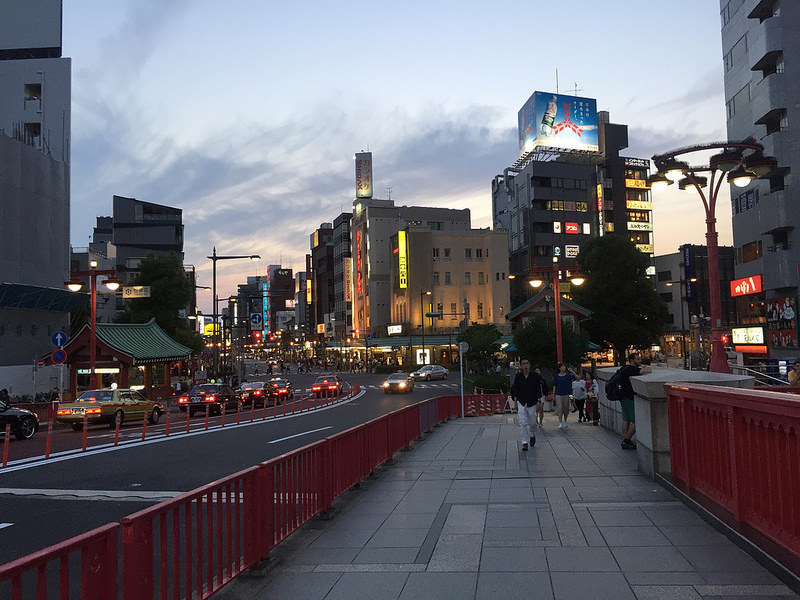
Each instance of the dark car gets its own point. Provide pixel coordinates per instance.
(254, 392)
(217, 396)
(398, 382)
(429, 372)
(327, 385)
(282, 389)
(24, 423)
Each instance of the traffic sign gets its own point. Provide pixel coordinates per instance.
(40, 363)
(463, 347)
(58, 339)
(256, 320)
(59, 356)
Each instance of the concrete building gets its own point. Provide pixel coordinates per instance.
(761, 61)
(322, 282)
(342, 276)
(374, 223)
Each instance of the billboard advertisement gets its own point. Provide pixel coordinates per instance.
(348, 278)
(558, 121)
(402, 259)
(781, 323)
(364, 175)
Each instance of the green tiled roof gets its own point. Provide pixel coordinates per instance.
(144, 342)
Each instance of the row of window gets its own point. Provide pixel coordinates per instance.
(559, 182)
(478, 253)
(448, 280)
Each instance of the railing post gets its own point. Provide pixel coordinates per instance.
(137, 559)
(99, 567)
(730, 419)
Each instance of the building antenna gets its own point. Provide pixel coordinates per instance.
(577, 89)
(556, 81)
(388, 192)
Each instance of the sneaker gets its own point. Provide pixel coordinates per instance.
(627, 444)
(533, 441)
(565, 425)
(560, 425)
(524, 447)
(540, 425)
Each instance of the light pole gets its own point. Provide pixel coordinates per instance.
(74, 284)
(214, 258)
(556, 271)
(741, 170)
(422, 294)
(683, 283)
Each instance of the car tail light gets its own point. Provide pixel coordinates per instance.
(283, 391)
(316, 388)
(209, 398)
(93, 411)
(183, 400)
(257, 392)
(64, 411)
(332, 387)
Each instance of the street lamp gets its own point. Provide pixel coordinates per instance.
(75, 285)
(422, 295)
(682, 283)
(743, 162)
(214, 258)
(576, 279)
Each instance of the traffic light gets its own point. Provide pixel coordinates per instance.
(256, 336)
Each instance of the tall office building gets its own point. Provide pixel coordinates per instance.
(761, 61)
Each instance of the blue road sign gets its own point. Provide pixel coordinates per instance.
(58, 339)
(59, 356)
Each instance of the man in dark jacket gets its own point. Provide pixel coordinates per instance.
(632, 369)
(526, 391)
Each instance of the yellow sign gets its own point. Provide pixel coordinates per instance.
(646, 248)
(209, 329)
(320, 327)
(636, 183)
(639, 205)
(402, 259)
(348, 278)
(639, 226)
(308, 291)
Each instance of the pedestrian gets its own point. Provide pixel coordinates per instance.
(526, 391)
(4, 397)
(794, 374)
(579, 398)
(633, 368)
(543, 391)
(54, 394)
(592, 394)
(562, 388)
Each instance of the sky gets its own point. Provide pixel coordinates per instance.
(246, 114)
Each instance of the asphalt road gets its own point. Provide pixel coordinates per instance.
(45, 502)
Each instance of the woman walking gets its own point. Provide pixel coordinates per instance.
(562, 388)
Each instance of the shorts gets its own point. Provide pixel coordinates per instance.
(628, 415)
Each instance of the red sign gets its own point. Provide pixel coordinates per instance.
(571, 227)
(359, 276)
(751, 349)
(58, 356)
(748, 285)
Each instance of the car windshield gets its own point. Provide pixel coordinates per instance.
(279, 382)
(204, 389)
(397, 377)
(96, 396)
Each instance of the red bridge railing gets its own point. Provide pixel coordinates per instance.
(740, 449)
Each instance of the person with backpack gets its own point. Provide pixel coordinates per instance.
(633, 368)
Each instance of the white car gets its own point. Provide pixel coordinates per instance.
(429, 372)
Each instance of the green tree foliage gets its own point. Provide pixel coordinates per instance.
(482, 340)
(536, 339)
(170, 293)
(626, 309)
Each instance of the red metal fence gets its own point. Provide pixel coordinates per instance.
(192, 545)
(740, 449)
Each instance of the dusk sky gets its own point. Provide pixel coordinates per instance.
(246, 114)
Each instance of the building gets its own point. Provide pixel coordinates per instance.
(322, 283)
(342, 275)
(761, 62)
(34, 191)
(374, 223)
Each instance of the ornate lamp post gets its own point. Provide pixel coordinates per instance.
(422, 294)
(75, 285)
(576, 279)
(743, 162)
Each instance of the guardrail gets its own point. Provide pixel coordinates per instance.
(741, 450)
(192, 545)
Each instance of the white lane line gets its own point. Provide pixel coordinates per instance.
(299, 434)
(4, 525)
(126, 495)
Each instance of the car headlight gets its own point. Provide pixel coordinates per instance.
(402, 384)
(385, 384)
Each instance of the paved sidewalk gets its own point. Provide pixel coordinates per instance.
(467, 515)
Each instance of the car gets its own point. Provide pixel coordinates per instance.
(24, 423)
(398, 382)
(104, 405)
(253, 392)
(216, 396)
(327, 385)
(282, 389)
(429, 372)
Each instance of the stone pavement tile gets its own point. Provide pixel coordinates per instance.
(511, 483)
(441, 586)
(597, 586)
(398, 538)
(375, 555)
(405, 520)
(467, 496)
(550, 481)
(350, 520)
(593, 537)
(364, 586)
(666, 592)
(508, 534)
(634, 536)
(676, 515)
(763, 577)
(638, 558)
(691, 535)
(492, 586)
(465, 518)
(441, 485)
(664, 578)
(318, 556)
(420, 505)
(522, 494)
(470, 484)
(456, 553)
(728, 559)
(631, 517)
(366, 506)
(760, 592)
(510, 517)
(580, 559)
(511, 560)
(309, 586)
(341, 538)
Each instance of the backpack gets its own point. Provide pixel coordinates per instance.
(615, 390)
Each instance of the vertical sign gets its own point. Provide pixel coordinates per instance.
(359, 265)
(688, 271)
(600, 208)
(364, 175)
(402, 259)
(265, 305)
(308, 290)
(348, 278)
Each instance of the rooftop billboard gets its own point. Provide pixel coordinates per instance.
(558, 121)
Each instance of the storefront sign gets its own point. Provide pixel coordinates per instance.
(571, 251)
(571, 227)
(394, 329)
(639, 204)
(640, 184)
(402, 259)
(639, 226)
(748, 335)
(348, 278)
(748, 285)
(781, 323)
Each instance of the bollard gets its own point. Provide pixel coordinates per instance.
(252, 410)
(188, 417)
(5, 444)
(274, 408)
(238, 411)
(224, 410)
(85, 427)
(116, 429)
(49, 437)
(166, 431)
(264, 410)
(144, 426)
(208, 409)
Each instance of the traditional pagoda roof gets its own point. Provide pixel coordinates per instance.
(527, 306)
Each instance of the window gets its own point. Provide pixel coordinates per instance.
(440, 310)
(436, 225)
(453, 314)
(741, 99)
(467, 253)
(436, 278)
(666, 296)
(447, 278)
(478, 253)
(750, 252)
(664, 276)
(447, 253)
(435, 254)
(480, 310)
(467, 278)
(481, 278)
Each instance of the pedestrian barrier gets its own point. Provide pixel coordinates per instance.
(741, 450)
(192, 545)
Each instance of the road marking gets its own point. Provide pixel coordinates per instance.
(4, 525)
(122, 495)
(299, 434)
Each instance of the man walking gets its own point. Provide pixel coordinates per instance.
(633, 368)
(526, 391)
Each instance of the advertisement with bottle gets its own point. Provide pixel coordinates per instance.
(558, 121)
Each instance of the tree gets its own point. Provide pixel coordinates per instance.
(626, 309)
(170, 293)
(482, 340)
(536, 340)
